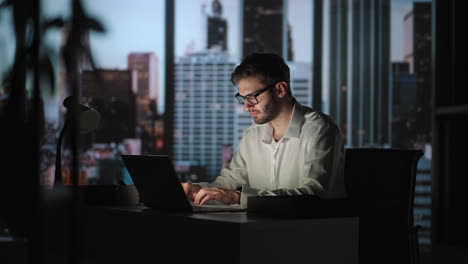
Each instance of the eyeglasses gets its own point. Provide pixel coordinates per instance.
(252, 98)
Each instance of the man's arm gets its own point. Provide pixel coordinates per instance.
(224, 188)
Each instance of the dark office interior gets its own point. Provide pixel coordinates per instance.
(83, 82)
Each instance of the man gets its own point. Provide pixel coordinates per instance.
(289, 150)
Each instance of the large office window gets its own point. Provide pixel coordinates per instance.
(368, 61)
(377, 81)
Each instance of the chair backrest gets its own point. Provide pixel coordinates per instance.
(380, 184)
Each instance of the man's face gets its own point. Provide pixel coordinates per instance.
(268, 105)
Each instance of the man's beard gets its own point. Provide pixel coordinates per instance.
(270, 111)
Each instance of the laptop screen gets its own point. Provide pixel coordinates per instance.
(157, 182)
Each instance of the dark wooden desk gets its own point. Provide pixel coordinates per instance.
(137, 235)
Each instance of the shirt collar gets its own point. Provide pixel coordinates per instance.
(297, 119)
(267, 137)
(294, 128)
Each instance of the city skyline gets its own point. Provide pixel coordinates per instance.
(125, 36)
(150, 13)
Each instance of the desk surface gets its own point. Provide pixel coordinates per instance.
(227, 217)
(223, 237)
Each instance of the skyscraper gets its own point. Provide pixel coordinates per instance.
(403, 91)
(265, 28)
(204, 109)
(144, 66)
(358, 72)
(338, 66)
(217, 28)
(418, 45)
(204, 102)
(217, 33)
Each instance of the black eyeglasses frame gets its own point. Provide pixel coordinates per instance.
(241, 99)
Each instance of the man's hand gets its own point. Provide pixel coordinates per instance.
(191, 189)
(225, 196)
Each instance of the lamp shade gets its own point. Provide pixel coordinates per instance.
(88, 117)
(89, 120)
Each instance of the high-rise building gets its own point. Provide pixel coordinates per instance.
(217, 33)
(145, 67)
(337, 63)
(423, 199)
(110, 93)
(418, 44)
(403, 96)
(265, 28)
(146, 64)
(217, 28)
(358, 74)
(204, 109)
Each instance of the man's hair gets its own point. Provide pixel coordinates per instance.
(270, 67)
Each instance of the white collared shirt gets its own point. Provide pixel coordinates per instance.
(307, 160)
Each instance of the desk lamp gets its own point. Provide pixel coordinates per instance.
(88, 119)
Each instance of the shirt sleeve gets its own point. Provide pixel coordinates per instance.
(323, 159)
(234, 175)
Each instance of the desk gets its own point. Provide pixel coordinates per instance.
(138, 235)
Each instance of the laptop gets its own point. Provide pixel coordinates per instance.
(159, 187)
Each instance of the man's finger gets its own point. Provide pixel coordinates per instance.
(205, 199)
(199, 196)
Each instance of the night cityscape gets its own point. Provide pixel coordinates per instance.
(375, 80)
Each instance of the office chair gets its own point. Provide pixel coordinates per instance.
(380, 184)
